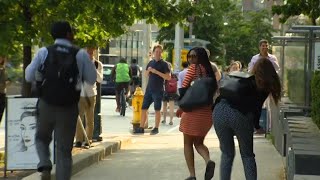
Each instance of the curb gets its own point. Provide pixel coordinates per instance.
(88, 157)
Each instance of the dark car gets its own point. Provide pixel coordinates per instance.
(107, 85)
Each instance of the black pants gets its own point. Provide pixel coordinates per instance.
(2, 104)
(119, 87)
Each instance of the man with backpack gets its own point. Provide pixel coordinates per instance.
(136, 73)
(59, 71)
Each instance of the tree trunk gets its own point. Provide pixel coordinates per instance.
(26, 87)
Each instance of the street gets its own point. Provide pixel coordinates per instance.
(160, 157)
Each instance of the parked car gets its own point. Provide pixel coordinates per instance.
(107, 85)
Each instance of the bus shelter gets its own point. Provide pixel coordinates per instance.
(299, 52)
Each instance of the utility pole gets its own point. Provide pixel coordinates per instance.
(178, 45)
(146, 48)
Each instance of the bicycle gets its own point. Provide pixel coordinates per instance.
(123, 102)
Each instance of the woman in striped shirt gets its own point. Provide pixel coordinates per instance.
(195, 124)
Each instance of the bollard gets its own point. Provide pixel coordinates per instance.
(136, 106)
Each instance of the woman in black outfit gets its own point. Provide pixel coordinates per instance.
(241, 119)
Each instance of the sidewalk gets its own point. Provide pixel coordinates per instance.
(161, 156)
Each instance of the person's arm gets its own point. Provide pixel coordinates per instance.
(147, 72)
(130, 72)
(165, 76)
(275, 64)
(113, 73)
(99, 72)
(35, 63)
(251, 64)
(89, 73)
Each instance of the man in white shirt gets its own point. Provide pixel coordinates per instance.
(87, 103)
(264, 47)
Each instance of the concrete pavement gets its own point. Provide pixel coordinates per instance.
(161, 157)
(156, 157)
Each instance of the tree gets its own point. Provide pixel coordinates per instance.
(310, 8)
(232, 34)
(25, 23)
(243, 32)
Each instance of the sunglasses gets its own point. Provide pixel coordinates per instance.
(192, 56)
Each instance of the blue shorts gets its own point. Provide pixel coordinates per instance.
(155, 97)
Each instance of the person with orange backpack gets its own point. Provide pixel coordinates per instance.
(169, 96)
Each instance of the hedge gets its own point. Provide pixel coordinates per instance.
(315, 94)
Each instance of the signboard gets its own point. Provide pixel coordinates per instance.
(317, 56)
(20, 134)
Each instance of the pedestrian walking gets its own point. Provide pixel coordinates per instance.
(264, 52)
(182, 74)
(157, 70)
(239, 119)
(59, 70)
(87, 103)
(169, 96)
(195, 124)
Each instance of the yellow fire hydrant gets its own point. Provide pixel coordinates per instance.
(137, 105)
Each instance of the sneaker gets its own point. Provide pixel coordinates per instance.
(45, 175)
(138, 130)
(154, 131)
(170, 123)
(163, 121)
(97, 139)
(78, 144)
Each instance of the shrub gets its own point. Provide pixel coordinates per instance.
(315, 95)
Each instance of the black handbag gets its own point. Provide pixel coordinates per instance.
(199, 94)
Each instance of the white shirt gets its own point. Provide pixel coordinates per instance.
(181, 76)
(271, 57)
(91, 90)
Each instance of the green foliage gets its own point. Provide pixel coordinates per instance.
(236, 40)
(310, 8)
(296, 93)
(243, 32)
(315, 94)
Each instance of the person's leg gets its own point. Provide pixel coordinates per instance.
(79, 133)
(189, 154)
(43, 137)
(171, 111)
(244, 132)
(157, 98)
(90, 117)
(225, 134)
(118, 90)
(164, 111)
(2, 104)
(147, 100)
(66, 119)
(201, 148)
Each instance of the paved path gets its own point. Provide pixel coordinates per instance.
(160, 157)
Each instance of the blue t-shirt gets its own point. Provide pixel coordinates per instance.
(155, 83)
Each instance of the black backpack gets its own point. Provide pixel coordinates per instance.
(134, 70)
(238, 87)
(60, 76)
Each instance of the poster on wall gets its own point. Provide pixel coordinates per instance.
(20, 134)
